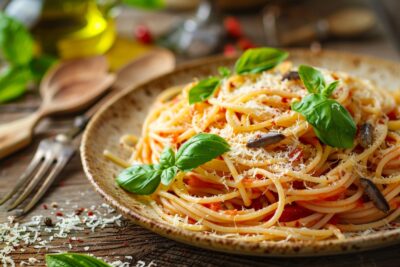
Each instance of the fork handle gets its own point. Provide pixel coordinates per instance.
(17, 134)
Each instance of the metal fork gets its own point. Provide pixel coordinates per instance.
(49, 160)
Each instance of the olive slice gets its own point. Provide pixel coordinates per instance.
(375, 195)
(265, 140)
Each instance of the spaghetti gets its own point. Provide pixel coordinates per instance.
(295, 189)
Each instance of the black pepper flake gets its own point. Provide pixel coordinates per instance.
(48, 222)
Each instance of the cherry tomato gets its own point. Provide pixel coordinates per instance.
(232, 27)
(229, 50)
(293, 212)
(215, 206)
(245, 44)
(143, 35)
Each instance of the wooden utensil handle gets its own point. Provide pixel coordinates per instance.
(17, 134)
(81, 121)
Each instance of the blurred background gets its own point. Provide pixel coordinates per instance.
(125, 29)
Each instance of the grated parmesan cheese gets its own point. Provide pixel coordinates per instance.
(14, 236)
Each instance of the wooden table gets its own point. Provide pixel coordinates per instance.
(131, 240)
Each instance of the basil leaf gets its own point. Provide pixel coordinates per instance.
(146, 4)
(167, 158)
(259, 59)
(168, 175)
(332, 123)
(16, 44)
(140, 179)
(73, 260)
(200, 149)
(328, 90)
(224, 72)
(40, 65)
(13, 83)
(203, 90)
(312, 78)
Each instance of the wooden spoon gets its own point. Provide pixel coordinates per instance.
(68, 87)
(150, 65)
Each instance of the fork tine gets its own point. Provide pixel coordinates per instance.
(24, 178)
(36, 179)
(46, 184)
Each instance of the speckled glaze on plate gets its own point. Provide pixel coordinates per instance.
(127, 111)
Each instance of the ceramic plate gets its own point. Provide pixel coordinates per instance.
(126, 112)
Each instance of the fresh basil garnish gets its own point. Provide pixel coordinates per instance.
(16, 44)
(259, 59)
(144, 179)
(224, 72)
(141, 179)
(200, 149)
(203, 90)
(312, 78)
(73, 260)
(23, 67)
(167, 158)
(168, 175)
(13, 82)
(145, 4)
(332, 123)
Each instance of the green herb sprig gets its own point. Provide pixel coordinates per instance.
(23, 67)
(332, 123)
(73, 260)
(252, 61)
(144, 179)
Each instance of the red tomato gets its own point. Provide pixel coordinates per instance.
(143, 35)
(229, 50)
(334, 220)
(392, 115)
(232, 27)
(293, 212)
(298, 184)
(296, 154)
(216, 206)
(195, 182)
(245, 44)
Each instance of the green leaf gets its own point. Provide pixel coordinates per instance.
(140, 179)
(259, 59)
(200, 149)
(40, 65)
(168, 175)
(13, 83)
(167, 158)
(73, 260)
(224, 72)
(332, 123)
(146, 4)
(203, 90)
(16, 43)
(328, 90)
(312, 78)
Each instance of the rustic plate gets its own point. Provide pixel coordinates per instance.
(126, 112)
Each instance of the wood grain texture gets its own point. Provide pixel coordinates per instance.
(132, 240)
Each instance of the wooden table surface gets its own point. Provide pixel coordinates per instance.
(146, 248)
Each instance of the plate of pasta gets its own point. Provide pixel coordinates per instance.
(272, 153)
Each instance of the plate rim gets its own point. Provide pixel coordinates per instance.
(267, 248)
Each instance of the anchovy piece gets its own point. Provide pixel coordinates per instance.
(366, 135)
(265, 140)
(375, 195)
(291, 75)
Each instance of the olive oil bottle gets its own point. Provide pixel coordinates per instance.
(73, 28)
